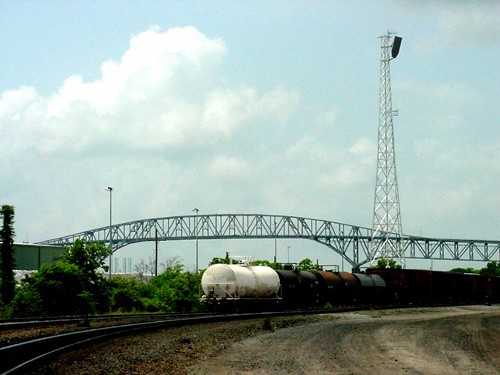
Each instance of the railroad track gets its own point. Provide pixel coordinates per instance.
(20, 323)
(20, 358)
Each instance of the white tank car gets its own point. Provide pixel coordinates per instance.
(236, 281)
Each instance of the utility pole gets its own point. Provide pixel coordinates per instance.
(156, 251)
(275, 243)
(387, 228)
(196, 234)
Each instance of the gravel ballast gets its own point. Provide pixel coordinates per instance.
(454, 340)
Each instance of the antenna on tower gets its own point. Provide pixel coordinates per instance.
(387, 229)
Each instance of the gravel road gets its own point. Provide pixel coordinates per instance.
(454, 340)
(425, 341)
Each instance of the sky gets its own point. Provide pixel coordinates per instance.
(264, 107)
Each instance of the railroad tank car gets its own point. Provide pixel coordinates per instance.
(352, 287)
(299, 288)
(371, 289)
(236, 281)
(336, 288)
(331, 288)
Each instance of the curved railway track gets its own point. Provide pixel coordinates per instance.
(20, 358)
(20, 323)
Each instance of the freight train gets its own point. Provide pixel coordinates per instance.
(244, 286)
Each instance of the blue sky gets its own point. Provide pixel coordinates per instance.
(246, 107)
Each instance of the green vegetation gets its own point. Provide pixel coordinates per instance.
(464, 270)
(58, 289)
(75, 285)
(72, 285)
(225, 260)
(491, 269)
(387, 263)
(307, 264)
(7, 281)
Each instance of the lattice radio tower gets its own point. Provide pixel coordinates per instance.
(387, 230)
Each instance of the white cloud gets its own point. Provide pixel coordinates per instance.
(329, 116)
(225, 168)
(454, 25)
(14, 102)
(333, 168)
(443, 105)
(472, 23)
(161, 94)
(364, 148)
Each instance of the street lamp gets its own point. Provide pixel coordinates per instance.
(110, 189)
(196, 234)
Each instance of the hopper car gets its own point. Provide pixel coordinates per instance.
(240, 286)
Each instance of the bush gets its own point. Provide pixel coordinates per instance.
(125, 295)
(57, 289)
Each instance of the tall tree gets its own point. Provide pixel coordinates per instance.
(387, 263)
(89, 258)
(8, 281)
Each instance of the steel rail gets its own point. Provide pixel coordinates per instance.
(18, 323)
(20, 358)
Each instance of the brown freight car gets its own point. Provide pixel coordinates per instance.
(424, 288)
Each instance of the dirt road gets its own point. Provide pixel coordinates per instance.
(463, 340)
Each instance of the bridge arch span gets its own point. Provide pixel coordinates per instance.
(351, 242)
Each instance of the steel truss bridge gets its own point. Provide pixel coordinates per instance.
(351, 242)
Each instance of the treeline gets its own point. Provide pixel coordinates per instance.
(75, 285)
(491, 269)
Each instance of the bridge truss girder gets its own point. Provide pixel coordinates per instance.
(353, 243)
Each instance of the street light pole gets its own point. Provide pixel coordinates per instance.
(110, 189)
(275, 243)
(156, 251)
(196, 234)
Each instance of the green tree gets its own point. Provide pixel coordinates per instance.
(464, 270)
(177, 290)
(307, 264)
(261, 263)
(89, 258)
(125, 294)
(387, 263)
(72, 285)
(492, 269)
(216, 260)
(8, 282)
(57, 289)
